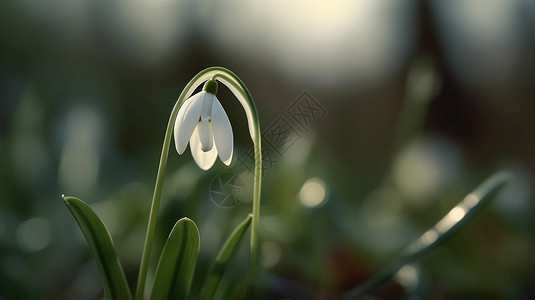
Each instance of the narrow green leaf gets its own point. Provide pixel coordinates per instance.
(456, 219)
(225, 254)
(176, 267)
(99, 239)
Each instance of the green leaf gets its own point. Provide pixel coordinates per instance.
(455, 220)
(99, 239)
(174, 273)
(225, 254)
(458, 217)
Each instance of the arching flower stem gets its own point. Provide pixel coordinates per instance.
(239, 89)
(244, 96)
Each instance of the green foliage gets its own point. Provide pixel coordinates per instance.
(225, 254)
(99, 239)
(176, 267)
(457, 218)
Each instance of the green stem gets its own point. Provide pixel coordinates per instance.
(256, 206)
(238, 88)
(154, 210)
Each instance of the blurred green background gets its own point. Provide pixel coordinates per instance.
(416, 103)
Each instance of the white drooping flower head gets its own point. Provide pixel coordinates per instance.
(203, 122)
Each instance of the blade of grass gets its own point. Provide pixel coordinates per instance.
(456, 219)
(99, 239)
(176, 267)
(225, 254)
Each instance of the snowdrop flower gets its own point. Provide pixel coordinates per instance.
(203, 122)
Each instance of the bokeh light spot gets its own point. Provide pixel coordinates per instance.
(34, 234)
(456, 214)
(424, 167)
(271, 254)
(313, 192)
(407, 276)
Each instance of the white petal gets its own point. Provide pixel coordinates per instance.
(222, 131)
(205, 160)
(186, 121)
(207, 101)
(205, 135)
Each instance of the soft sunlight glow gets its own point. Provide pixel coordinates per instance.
(313, 193)
(144, 30)
(456, 214)
(80, 158)
(326, 42)
(429, 237)
(424, 166)
(271, 254)
(482, 45)
(453, 216)
(28, 147)
(407, 276)
(34, 234)
(470, 201)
